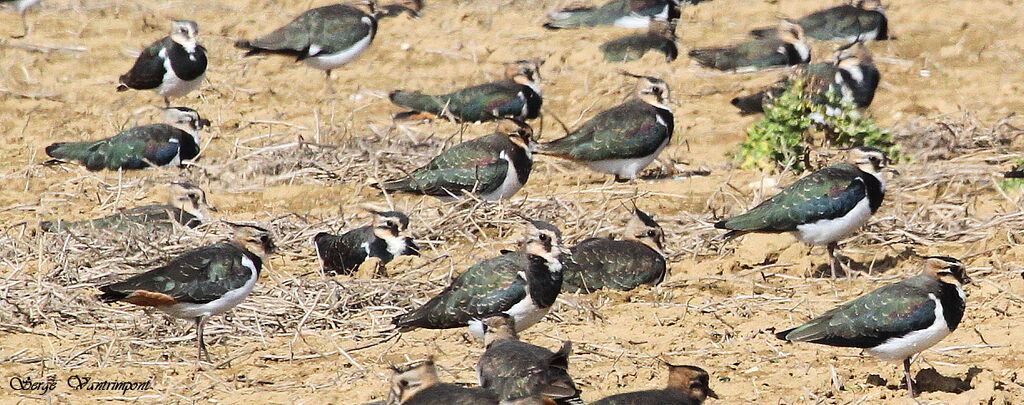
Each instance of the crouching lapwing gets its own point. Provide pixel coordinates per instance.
(142, 147)
(897, 321)
(186, 206)
(200, 283)
(385, 240)
(492, 167)
(621, 13)
(623, 140)
(517, 96)
(823, 207)
(687, 385)
(523, 284)
(22, 6)
(172, 67)
(786, 48)
(624, 264)
(862, 20)
(661, 37)
(516, 369)
(420, 385)
(324, 38)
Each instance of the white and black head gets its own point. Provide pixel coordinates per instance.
(500, 326)
(790, 32)
(852, 55)
(185, 119)
(519, 132)
(408, 381)
(643, 228)
(525, 72)
(185, 32)
(367, 6)
(693, 381)
(947, 270)
(869, 159)
(255, 239)
(190, 198)
(544, 240)
(652, 90)
(870, 5)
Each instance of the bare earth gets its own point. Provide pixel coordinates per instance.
(284, 154)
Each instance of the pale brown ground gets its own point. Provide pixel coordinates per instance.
(715, 310)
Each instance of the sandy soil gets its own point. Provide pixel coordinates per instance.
(952, 75)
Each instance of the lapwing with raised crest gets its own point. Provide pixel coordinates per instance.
(852, 76)
(861, 20)
(897, 321)
(625, 139)
(523, 284)
(172, 67)
(620, 13)
(516, 369)
(419, 384)
(516, 96)
(660, 37)
(172, 143)
(200, 283)
(493, 167)
(385, 240)
(186, 206)
(786, 48)
(622, 264)
(22, 7)
(324, 38)
(823, 207)
(687, 385)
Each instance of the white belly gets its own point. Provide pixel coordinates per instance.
(509, 186)
(525, 313)
(897, 349)
(172, 85)
(826, 231)
(629, 168)
(337, 59)
(637, 21)
(220, 305)
(23, 5)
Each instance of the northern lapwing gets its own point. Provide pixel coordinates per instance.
(324, 38)
(861, 20)
(623, 140)
(420, 385)
(517, 96)
(523, 284)
(172, 67)
(660, 37)
(687, 385)
(412, 8)
(896, 321)
(385, 240)
(186, 206)
(624, 264)
(516, 369)
(153, 145)
(823, 207)
(22, 6)
(852, 75)
(492, 167)
(200, 283)
(620, 13)
(787, 48)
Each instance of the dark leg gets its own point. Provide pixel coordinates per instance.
(330, 88)
(200, 321)
(167, 102)
(24, 27)
(910, 382)
(832, 257)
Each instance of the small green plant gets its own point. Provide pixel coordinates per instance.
(1011, 184)
(782, 138)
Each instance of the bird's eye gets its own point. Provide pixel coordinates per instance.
(652, 233)
(544, 237)
(403, 383)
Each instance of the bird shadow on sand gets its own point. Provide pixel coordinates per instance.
(880, 266)
(929, 380)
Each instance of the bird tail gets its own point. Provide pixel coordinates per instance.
(409, 321)
(750, 104)
(570, 18)
(705, 57)
(783, 335)
(83, 152)
(247, 46)
(763, 33)
(419, 102)
(110, 294)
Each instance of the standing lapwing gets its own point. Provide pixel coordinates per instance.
(786, 48)
(324, 38)
(621, 13)
(142, 147)
(862, 20)
(412, 8)
(420, 385)
(660, 37)
(516, 96)
(852, 75)
(172, 67)
(22, 6)
(625, 264)
(897, 321)
(823, 207)
(522, 284)
(516, 369)
(385, 240)
(492, 167)
(623, 140)
(186, 206)
(687, 385)
(200, 283)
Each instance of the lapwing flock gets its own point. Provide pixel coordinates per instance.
(498, 298)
